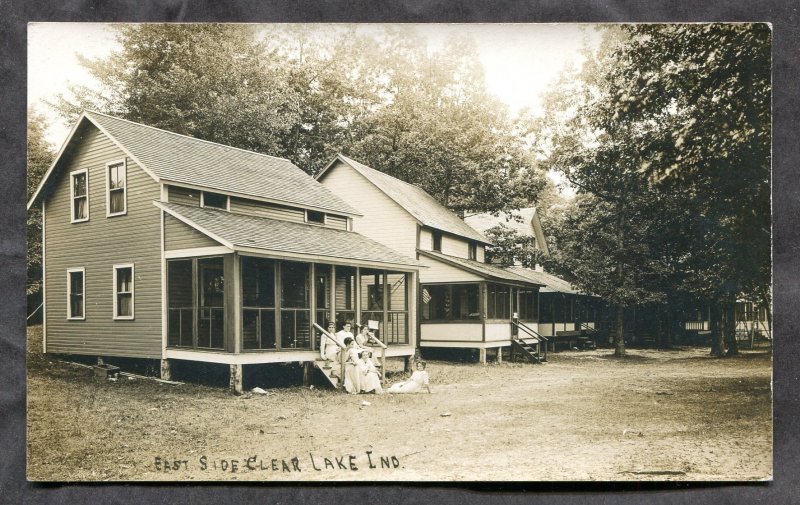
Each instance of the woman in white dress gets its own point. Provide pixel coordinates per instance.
(417, 381)
(353, 367)
(372, 378)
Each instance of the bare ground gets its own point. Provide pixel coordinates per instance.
(656, 415)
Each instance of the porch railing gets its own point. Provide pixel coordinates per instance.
(532, 333)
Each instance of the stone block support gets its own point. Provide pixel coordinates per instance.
(236, 379)
(166, 370)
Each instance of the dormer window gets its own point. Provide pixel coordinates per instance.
(80, 196)
(437, 240)
(116, 197)
(214, 200)
(473, 251)
(312, 216)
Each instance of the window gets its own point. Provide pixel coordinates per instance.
(473, 251)
(437, 241)
(123, 291)
(313, 216)
(214, 200)
(76, 287)
(116, 181)
(80, 196)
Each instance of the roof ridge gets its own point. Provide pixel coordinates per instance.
(187, 136)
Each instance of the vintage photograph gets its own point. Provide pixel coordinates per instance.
(399, 252)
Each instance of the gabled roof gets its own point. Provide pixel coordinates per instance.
(180, 159)
(422, 206)
(485, 270)
(524, 221)
(271, 236)
(551, 282)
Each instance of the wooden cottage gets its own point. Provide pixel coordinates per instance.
(161, 246)
(565, 314)
(464, 302)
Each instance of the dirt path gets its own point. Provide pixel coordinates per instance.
(658, 415)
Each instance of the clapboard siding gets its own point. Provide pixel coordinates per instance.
(183, 196)
(425, 239)
(453, 246)
(262, 209)
(438, 271)
(97, 245)
(337, 222)
(383, 220)
(178, 235)
(481, 253)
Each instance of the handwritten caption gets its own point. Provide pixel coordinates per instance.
(295, 464)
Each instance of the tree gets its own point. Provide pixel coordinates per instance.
(671, 118)
(303, 95)
(511, 247)
(40, 157)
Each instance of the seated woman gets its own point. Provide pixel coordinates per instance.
(363, 337)
(372, 378)
(353, 367)
(417, 381)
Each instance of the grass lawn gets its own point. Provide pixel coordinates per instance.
(656, 415)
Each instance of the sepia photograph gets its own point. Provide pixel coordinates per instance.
(399, 252)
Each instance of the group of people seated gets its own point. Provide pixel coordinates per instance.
(360, 373)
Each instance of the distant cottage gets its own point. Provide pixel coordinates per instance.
(162, 246)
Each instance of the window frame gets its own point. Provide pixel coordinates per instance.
(473, 251)
(318, 223)
(203, 200)
(70, 271)
(72, 196)
(115, 314)
(436, 236)
(124, 164)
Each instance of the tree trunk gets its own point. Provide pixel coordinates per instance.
(619, 337)
(730, 327)
(717, 341)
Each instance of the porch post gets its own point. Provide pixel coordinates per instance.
(236, 379)
(482, 355)
(233, 303)
(166, 370)
(499, 355)
(306, 373)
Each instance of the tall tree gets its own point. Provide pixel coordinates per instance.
(40, 157)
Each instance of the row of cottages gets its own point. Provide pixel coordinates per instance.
(464, 301)
(564, 311)
(162, 246)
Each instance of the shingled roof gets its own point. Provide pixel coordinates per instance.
(485, 270)
(241, 232)
(550, 281)
(180, 159)
(416, 201)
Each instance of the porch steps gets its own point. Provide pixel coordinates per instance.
(326, 367)
(527, 348)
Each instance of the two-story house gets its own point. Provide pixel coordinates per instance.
(162, 246)
(464, 302)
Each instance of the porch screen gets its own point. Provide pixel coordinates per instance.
(450, 302)
(498, 301)
(211, 306)
(372, 293)
(180, 324)
(397, 306)
(295, 305)
(345, 291)
(528, 304)
(322, 294)
(258, 304)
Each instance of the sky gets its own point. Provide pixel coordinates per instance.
(521, 61)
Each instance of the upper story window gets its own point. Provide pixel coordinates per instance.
(76, 287)
(116, 194)
(123, 291)
(473, 251)
(312, 216)
(79, 181)
(437, 240)
(214, 200)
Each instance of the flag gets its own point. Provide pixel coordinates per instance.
(426, 297)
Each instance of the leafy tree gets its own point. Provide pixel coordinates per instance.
(669, 120)
(512, 248)
(40, 157)
(305, 95)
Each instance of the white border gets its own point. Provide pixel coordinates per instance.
(44, 281)
(133, 292)
(124, 163)
(70, 317)
(72, 196)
